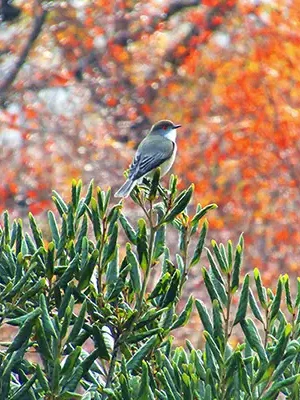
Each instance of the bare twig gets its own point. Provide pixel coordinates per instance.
(12, 74)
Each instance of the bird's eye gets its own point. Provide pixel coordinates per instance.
(164, 127)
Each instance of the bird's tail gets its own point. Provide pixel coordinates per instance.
(125, 189)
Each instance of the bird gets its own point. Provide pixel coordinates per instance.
(158, 149)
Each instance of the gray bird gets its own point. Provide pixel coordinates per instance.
(158, 149)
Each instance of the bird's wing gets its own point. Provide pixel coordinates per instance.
(148, 157)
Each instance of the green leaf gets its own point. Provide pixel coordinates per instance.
(238, 257)
(161, 286)
(31, 247)
(276, 387)
(67, 319)
(74, 380)
(50, 260)
(154, 184)
(46, 320)
(173, 289)
(59, 202)
(144, 388)
(29, 316)
(87, 271)
(70, 396)
(31, 292)
(128, 229)
(113, 217)
(19, 236)
(53, 227)
(276, 301)
(17, 287)
(100, 343)
(243, 303)
(286, 282)
(214, 268)
(219, 256)
(101, 201)
(204, 316)
(297, 303)
(160, 237)
(282, 366)
(169, 384)
(218, 333)
(243, 377)
(44, 348)
(261, 291)
(37, 233)
(89, 193)
(254, 338)
(201, 213)
(22, 336)
(135, 274)
(112, 272)
(150, 316)
(69, 272)
(277, 354)
(198, 363)
(74, 196)
(115, 290)
(184, 315)
(63, 238)
(173, 186)
(254, 307)
(220, 289)
(109, 248)
(70, 222)
(65, 302)
(25, 388)
(142, 244)
(230, 254)
(168, 393)
(213, 347)
(124, 388)
(199, 245)
(168, 317)
(143, 351)
(80, 319)
(96, 219)
(138, 337)
(6, 228)
(180, 204)
(41, 377)
(82, 234)
(209, 286)
(71, 361)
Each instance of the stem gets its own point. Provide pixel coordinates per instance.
(99, 280)
(266, 329)
(185, 258)
(227, 333)
(139, 300)
(112, 366)
(148, 270)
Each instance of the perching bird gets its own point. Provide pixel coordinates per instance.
(158, 149)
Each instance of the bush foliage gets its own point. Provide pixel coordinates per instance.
(81, 304)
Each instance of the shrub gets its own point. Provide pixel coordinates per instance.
(80, 303)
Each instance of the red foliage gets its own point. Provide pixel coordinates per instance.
(226, 70)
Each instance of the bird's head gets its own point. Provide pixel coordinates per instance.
(166, 129)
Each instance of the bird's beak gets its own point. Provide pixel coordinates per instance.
(176, 126)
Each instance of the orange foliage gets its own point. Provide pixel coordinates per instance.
(226, 70)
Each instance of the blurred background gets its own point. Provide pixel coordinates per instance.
(81, 82)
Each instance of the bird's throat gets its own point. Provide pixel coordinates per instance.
(172, 135)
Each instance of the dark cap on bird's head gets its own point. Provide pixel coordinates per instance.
(163, 127)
